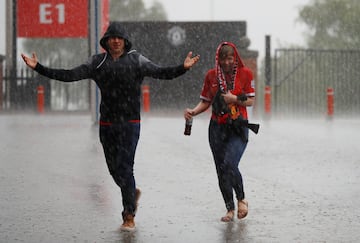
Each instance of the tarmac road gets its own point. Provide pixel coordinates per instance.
(302, 181)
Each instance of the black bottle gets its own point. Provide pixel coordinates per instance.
(188, 124)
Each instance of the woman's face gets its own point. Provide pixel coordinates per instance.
(227, 63)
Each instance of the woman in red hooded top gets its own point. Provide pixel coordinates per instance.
(229, 89)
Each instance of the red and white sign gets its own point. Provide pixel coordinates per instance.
(52, 18)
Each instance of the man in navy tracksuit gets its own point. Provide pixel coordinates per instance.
(118, 73)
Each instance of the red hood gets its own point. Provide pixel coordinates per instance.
(238, 63)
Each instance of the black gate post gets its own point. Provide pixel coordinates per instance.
(13, 72)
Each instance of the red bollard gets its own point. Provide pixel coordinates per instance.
(40, 99)
(267, 100)
(146, 97)
(330, 102)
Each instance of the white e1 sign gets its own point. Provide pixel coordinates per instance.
(46, 13)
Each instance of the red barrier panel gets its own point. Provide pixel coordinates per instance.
(267, 100)
(52, 18)
(330, 101)
(146, 98)
(40, 99)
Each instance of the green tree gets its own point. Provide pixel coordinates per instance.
(332, 24)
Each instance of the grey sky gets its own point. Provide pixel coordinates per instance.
(276, 18)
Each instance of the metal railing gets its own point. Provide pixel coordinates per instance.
(20, 92)
(302, 76)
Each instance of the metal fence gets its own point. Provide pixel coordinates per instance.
(302, 76)
(20, 92)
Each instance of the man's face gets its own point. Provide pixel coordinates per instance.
(116, 44)
(227, 63)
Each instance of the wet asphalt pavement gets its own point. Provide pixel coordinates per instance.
(302, 181)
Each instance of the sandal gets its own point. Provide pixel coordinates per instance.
(242, 209)
(229, 216)
(128, 224)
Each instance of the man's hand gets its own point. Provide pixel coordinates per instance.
(190, 61)
(30, 61)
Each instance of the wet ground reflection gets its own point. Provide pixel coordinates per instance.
(302, 181)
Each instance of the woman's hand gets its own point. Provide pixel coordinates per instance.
(190, 61)
(188, 114)
(30, 61)
(199, 108)
(229, 97)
